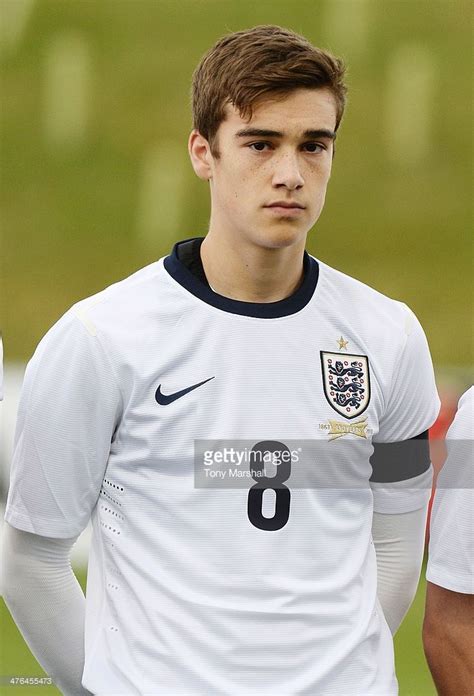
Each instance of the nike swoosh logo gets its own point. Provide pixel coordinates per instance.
(165, 399)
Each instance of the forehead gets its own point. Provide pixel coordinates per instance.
(300, 110)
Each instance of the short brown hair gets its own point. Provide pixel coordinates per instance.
(244, 67)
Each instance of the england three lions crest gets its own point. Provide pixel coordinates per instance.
(346, 381)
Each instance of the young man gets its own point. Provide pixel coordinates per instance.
(448, 629)
(241, 343)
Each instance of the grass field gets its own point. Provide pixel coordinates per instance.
(413, 675)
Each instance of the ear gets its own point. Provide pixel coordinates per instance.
(200, 154)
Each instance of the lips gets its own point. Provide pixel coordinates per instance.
(285, 209)
(285, 204)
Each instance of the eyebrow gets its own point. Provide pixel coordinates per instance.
(265, 133)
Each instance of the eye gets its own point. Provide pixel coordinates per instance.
(316, 148)
(259, 146)
(311, 148)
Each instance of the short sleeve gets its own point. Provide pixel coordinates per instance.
(411, 407)
(451, 548)
(412, 404)
(70, 407)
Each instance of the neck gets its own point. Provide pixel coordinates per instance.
(251, 273)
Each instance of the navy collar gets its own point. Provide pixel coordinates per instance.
(264, 310)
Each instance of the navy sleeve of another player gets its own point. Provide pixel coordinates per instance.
(69, 410)
(402, 473)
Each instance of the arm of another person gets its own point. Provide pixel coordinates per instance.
(448, 640)
(448, 628)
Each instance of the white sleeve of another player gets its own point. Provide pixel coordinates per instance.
(411, 407)
(47, 604)
(399, 544)
(69, 411)
(451, 548)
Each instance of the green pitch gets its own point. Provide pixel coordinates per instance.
(414, 678)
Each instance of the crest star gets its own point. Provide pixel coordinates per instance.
(342, 343)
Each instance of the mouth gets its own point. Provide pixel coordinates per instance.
(285, 204)
(285, 208)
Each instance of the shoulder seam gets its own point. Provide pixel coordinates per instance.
(399, 359)
(95, 334)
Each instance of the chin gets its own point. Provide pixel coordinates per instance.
(281, 238)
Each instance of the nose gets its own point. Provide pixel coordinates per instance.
(287, 172)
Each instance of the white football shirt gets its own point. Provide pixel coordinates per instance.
(233, 589)
(451, 547)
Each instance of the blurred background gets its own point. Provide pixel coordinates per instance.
(96, 181)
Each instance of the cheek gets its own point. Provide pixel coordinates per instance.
(321, 175)
(242, 185)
